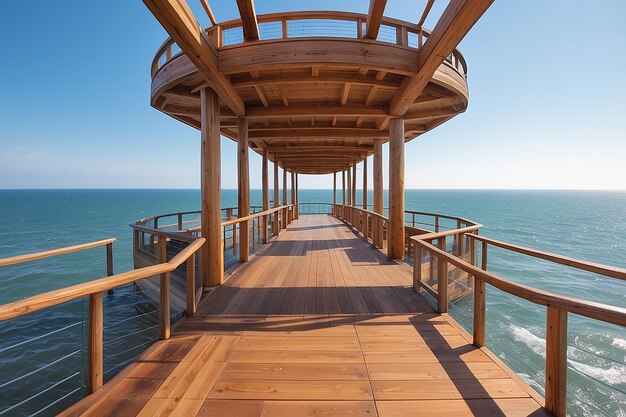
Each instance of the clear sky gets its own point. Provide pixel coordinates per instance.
(547, 99)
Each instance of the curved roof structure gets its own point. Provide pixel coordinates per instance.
(317, 88)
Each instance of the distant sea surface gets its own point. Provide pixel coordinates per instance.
(588, 225)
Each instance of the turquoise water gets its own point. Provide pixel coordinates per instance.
(586, 225)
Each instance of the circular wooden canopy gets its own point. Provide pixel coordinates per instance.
(315, 103)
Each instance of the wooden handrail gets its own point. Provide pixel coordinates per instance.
(598, 311)
(55, 252)
(63, 295)
(402, 29)
(255, 215)
(436, 235)
(597, 268)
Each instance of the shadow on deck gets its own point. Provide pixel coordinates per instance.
(317, 323)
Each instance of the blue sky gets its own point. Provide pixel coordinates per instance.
(547, 99)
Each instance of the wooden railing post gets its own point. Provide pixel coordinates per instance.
(191, 285)
(180, 221)
(442, 278)
(109, 249)
(164, 293)
(95, 347)
(483, 264)
(556, 361)
(417, 267)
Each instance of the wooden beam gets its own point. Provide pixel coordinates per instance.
(179, 21)
(343, 187)
(370, 95)
(248, 20)
(344, 93)
(276, 199)
(395, 232)
(209, 12)
(377, 236)
(429, 6)
(305, 78)
(365, 184)
(354, 184)
(334, 188)
(266, 192)
(315, 110)
(212, 257)
(457, 19)
(261, 93)
(374, 18)
(243, 200)
(317, 133)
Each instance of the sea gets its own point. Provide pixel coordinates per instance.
(42, 355)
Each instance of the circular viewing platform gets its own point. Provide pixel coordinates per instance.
(314, 81)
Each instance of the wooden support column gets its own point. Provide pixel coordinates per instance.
(293, 194)
(395, 239)
(276, 200)
(243, 206)
(334, 188)
(349, 187)
(266, 194)
(343, 187)
(285, 201)
(365, 183)
(297, 188)
(378, 192)
(353, 197)
(213, 250)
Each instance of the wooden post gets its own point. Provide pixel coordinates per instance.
(417, 267)
(95, 348)
(353, 196)
(483, 264)
(191, 284)
(343, 187)
(442, 278)
(293, 194)
(556, 361)
(285, 201)
(334, 188)
(180, 221)
(479, 313)
(276, 200)
(164, 293)
(365, 184)
(243, 206)
(266, 194)
(349, 186)
(212, 253)
(378, 192)
(297, 207)
(395, 240)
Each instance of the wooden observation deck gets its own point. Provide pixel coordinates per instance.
(325, 318)
(317, 323)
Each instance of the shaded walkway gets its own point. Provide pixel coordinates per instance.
(318, 323)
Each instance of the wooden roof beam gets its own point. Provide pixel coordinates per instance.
(374, 18)
(248, 20)
(355, 110)
(180, 23)
(456, 21)
(209, 12)
(425, 13)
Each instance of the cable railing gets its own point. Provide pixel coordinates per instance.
(88, 345)
(313, 24)
(432, 263)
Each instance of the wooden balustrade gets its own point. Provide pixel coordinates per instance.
(405, 34)
(94, 289)
(558, 306)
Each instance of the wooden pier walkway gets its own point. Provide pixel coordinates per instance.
(317, 323)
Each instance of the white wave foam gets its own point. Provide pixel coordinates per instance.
(616, 374)
(621, 343)
(535, 343)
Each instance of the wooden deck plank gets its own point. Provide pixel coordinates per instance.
(318, 323)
